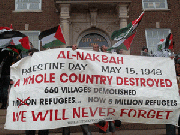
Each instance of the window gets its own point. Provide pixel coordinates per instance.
(154, 4)
(33, 38)
(153, 36)
(24, 5)
(92, 39)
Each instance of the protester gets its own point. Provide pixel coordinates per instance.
(96, 48)
(177, 68)
(1, 55)
(31, 45)
(74, 47)
(1, 58)
(7, 61)
(177, 65)
(144, 51)
(104, 48)
(33, 132)
(84, 127)
(171, 129)
(110, 124)
(120, 51)
(31, 51)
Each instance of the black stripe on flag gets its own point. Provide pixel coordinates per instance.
(48, 32)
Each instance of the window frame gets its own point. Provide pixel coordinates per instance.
(158, 30)
(154, 5)
(28, 5)
(93, 31)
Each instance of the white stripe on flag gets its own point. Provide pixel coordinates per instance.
(1, 31)
(48, 39)
(118, 43)
(16, 40)
(5, 42)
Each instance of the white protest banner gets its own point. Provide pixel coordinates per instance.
(60, 87)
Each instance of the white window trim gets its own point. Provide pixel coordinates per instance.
(28, 10)
(166, 6)
(32, 32)
(157, 10)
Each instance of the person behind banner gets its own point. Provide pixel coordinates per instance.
(103, 48)
(84, 127)
(107, 126)
(171, 129)
(33, 132)
(177, 68)
(7, 61)
(74, 47)
(120, 51)
(144, 51)
(31, 45)
(96, 48)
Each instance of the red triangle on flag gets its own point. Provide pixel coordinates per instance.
(59, 35)
(25, 42)
(171, 42)
(138, 20)
(162, 40)
(128, 41)
(14, 50)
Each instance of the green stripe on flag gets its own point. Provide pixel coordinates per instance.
(53, 44)
(122, 33)
(122, 46)
(19, 46)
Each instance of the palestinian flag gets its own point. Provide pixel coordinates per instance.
(16, 38)
(12, 48)
(166, 43)
(2, 29)
(161, 45)
(122, 46)
(123, 43)
(52, 37)
(127, 31)
(169, 42)
(21, 43)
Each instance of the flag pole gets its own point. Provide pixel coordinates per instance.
(133, 25)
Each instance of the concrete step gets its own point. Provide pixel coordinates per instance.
(93, 128)
(2, 119)
(2, 112)
(10, 132)
(127, 132)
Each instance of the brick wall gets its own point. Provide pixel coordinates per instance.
(46, 19)
(168, 19)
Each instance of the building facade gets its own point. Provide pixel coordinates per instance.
(86, 22)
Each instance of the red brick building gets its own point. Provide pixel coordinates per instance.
(86, 22)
